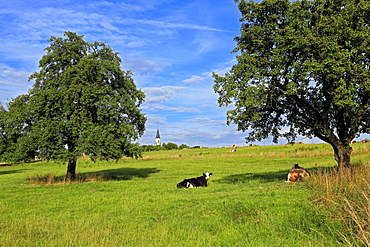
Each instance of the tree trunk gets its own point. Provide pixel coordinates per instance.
(71, 169)
(342, 154)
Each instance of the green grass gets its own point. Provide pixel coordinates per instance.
(136, 202)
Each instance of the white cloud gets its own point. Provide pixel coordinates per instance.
(142, 66)
(12, 76)
(158, 107)
(161, 24)
(155, 119)
(109, 26)
(133, 44)
(206, 121)
(160, 94)
(207, 75)
(194, 79)
(177, 109)
(13, 82)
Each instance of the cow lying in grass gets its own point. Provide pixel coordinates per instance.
(297, 173)
(195, 182)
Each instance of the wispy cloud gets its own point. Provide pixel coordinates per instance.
(155, 120)
(159, 107)
(144, 67)
(160, 94)
(225, 67)
(13, 82)
(206, 121)
(161, 24)
(194, 79)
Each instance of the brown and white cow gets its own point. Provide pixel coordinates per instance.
(297, 173)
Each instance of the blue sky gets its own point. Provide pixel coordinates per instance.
(171, 46)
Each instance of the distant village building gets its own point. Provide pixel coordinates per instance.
(157, 139)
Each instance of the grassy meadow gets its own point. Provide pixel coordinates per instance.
(136, 202)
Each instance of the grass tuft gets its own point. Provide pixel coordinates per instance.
(51, 179)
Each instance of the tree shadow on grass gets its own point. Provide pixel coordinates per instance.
(266, 177)
(89, 177)
(5, 165)
(5, 171)
(263, 177)
(11, 171)
(126, 173)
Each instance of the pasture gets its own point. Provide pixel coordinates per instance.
(136, 202)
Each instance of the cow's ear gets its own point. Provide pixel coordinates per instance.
(204, 174)
(210, 174)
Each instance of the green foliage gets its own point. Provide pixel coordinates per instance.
(81, 102)
(304, 66)
(147, 148)
(170, 146)
(16, 143)
(182, 146)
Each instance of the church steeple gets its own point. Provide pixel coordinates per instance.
(157, 139)
(158, 136)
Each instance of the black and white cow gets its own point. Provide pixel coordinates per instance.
(195, 182)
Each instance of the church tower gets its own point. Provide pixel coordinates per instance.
(157, 139)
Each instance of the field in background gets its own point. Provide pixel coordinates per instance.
(136, 202)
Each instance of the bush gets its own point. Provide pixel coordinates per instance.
(170, 146)
(183, 146)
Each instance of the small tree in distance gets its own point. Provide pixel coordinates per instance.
(81, 102)
(183, 146)
(170, 146)
(302, 66)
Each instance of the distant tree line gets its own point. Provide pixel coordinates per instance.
(165, 146)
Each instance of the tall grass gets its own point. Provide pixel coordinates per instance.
(346, 196)
(51, 179)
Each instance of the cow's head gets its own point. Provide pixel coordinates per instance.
(207, 175)
(296, 166)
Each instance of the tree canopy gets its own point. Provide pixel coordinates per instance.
(81, 102)
(302, 69)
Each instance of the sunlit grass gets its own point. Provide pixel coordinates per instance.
(136, 202)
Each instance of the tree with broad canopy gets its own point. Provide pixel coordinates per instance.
(302, 69)
(81, 102)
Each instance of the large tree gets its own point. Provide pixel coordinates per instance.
(302, 69)
(81, 102)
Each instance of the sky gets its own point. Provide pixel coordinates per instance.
(171, 46)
